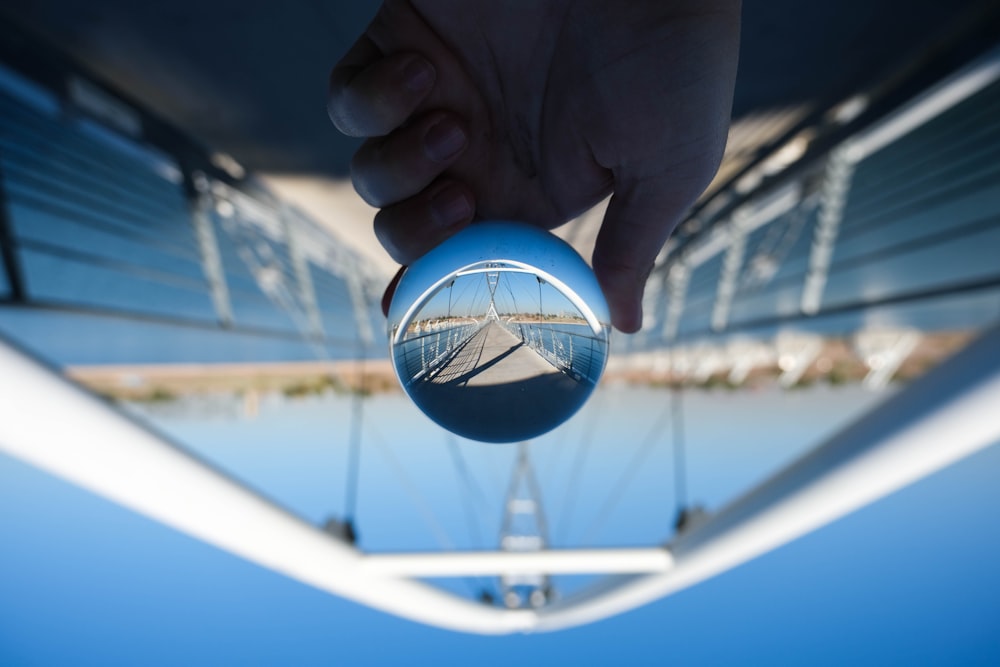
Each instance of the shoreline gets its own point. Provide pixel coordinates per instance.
(836, 363)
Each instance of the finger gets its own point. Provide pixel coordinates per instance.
(390, 290)
(371, 95)
(638, 221)
(389, 169)
(410, 228)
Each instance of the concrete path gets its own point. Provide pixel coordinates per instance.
(492, 356)
(497, 389)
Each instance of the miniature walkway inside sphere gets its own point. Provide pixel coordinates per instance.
(492, 376)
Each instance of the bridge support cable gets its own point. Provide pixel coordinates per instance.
(510, 290)
(470, 487)
(471, 498)
(558, 445)
(568, 506)
(621, 485)
(417, 498)
(475, 298)
(541, 310)
(687, 515)
(490, 461)
(680, 453)
(354, 449)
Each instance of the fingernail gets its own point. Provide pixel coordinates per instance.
(444, 141)
(418, 74)
(451, 206)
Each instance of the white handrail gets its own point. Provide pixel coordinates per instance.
(47, 421)
(495, 563)
(946, 415)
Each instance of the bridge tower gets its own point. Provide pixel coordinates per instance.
(524, 529)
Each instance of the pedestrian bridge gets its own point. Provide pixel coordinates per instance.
(481, 375)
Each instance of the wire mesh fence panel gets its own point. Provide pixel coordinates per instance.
(94, 225)
(103, 224)
(920, 219)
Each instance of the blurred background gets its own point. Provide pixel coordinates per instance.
(178, 233)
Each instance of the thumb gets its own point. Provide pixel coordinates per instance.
(640, 217)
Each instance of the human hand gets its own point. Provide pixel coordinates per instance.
(536, 110)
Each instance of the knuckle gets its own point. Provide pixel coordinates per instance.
(395, 243)
(340, 107)
(366, 187)
(368, 191)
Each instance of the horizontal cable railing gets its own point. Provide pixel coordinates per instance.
(912, 220)
(424, 353)
(579, 355)
(100, 224)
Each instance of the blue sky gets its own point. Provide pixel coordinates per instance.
(516, 292)
(910, 580)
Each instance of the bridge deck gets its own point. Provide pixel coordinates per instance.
(490, 357)
(497, 384)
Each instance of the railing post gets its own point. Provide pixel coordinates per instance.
(833, 197)
(8, 249)
(303, 278)
(197, 188)
(366, 336)
(677, 284)
(732, 265)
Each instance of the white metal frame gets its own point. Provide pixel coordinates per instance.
(508, 266)
(946, 415)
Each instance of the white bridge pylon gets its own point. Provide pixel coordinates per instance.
(946, 415)
(492, 280)
(524, 531)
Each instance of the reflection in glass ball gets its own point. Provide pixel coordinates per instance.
(499, 334)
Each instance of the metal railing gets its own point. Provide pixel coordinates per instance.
(99, 224)
(878, 224)
(422, 354)
(580, 356)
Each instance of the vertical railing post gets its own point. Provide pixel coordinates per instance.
(355, 284)
(303, 277)
(677, 284)
(833, 197)
(732, 265)
(200, 199)
(8, 249)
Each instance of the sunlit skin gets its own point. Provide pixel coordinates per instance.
(536, 111)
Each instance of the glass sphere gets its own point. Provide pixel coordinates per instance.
(500, 333)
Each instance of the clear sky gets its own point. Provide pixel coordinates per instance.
(910, 580)
(469, 296)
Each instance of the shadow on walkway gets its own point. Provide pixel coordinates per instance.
(497, 389)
